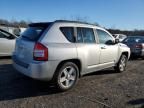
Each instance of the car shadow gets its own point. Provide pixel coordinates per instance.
(133, 58)
(14, 85)
(137, 102)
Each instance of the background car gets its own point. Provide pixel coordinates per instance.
(7, 43)
(121, 37)
(136, 44)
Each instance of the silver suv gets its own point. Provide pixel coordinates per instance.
(62, 51)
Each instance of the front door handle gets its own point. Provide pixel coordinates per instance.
(103, 47)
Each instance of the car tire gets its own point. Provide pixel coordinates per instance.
(121, 65)
(66, 76)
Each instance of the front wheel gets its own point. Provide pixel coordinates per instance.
(121, 66)
(67, 76)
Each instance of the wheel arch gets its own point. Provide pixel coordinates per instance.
(125, 53)
(75, 61)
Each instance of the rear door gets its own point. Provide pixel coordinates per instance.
(108, 51)
(7, 43)
(88, 49)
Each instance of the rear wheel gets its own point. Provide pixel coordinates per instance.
(67, 76)
(121, 66)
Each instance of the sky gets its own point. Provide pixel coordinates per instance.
(117, 14)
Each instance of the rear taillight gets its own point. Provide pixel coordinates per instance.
(138, 46)
(40, 52)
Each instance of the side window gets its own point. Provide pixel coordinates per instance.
(104, 37)
(85, 35)
(68, 33)
(88, 35)
(79, 36)
(2, 35)
(6, 35)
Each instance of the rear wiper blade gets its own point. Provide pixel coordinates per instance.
(26, 37)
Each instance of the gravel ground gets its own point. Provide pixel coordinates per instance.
(103, 89)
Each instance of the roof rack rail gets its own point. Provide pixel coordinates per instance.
(79, 22)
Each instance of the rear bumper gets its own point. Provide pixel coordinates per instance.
(36, 70)
(137, 53)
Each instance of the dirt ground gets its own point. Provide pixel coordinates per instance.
(103, 89)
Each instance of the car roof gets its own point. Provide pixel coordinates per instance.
(62, 21)
(77, 22)
(69, 23)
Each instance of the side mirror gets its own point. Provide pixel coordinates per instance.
(110, 42)
(11, 37)
(117, 41)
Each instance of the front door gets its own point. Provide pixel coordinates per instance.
(108, 50)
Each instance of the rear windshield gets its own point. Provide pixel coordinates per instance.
(33, 32)
(134, 40)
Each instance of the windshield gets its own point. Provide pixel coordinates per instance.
(4, 34)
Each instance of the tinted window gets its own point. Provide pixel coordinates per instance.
(85, 35)
(4, 34)
(88, 35)
(79, 35)
(104, 37)
(33, 33)
(35, 30)
(68, 33)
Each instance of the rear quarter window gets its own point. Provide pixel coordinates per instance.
(68, 32)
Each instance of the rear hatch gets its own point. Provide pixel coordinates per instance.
(26, 43)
